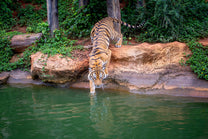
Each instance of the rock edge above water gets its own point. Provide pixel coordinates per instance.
(144, 68)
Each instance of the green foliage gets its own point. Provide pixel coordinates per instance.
(130, 15)
(199, 59)
(12, 33)
(170, 20)
(64, 9)
(5, 50)
(6, 18)
(80, 22)
(6, 53)
(29, 16)
(60, 44)
(43, 28)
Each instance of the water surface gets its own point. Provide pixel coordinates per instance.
(45, 112)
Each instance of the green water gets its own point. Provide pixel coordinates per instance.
(55, 113)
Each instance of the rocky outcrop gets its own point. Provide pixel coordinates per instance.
(146, 67)
(16, 57)
(135, 68)
(58, 69)
(143, 68)
(20, 42)
(18, 77)
(22, 77)
(4, 77)
(204, 41)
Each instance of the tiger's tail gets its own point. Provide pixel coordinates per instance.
(133, 26)
(129, 25)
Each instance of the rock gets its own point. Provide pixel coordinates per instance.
(143, 66)
(22, 77)
(4, 77)
(151, 68)
(20, 42)
(58, 69)
(16, 57)
(204, 42)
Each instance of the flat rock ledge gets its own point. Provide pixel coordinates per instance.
(18, 77)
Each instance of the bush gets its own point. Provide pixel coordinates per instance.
(199, 59)
(64, 9)
(170, 20)
(6, 18)
(80, 22)
(6, 52)
(29, 16)
(60, 44)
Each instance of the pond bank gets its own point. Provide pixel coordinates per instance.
(141, 68)
(179, 86)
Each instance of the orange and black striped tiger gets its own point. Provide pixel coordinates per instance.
(101, 35)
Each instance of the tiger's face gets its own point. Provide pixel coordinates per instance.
(97, 74)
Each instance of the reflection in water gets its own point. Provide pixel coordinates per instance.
(101, 115)
(66, 113)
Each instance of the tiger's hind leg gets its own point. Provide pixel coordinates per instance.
(118, 39)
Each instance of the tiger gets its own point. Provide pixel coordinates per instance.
(99, 59)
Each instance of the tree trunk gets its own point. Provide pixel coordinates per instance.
(52, 15)
(113, 10)
(83, 3)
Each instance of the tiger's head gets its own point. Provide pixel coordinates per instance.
(97, 73)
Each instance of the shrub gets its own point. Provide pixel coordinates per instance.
(29, 16)
(199, 59)
(59, 44)
(6, 18)
(81, 21)
(6, 52)
(170, 20)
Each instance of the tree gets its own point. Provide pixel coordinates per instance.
(113, 10)
(52, 15)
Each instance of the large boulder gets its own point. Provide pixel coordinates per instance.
(153, 66)
(58, 69)
(20, 42)
(142, 66)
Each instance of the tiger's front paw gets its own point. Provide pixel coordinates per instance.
(92, 92)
